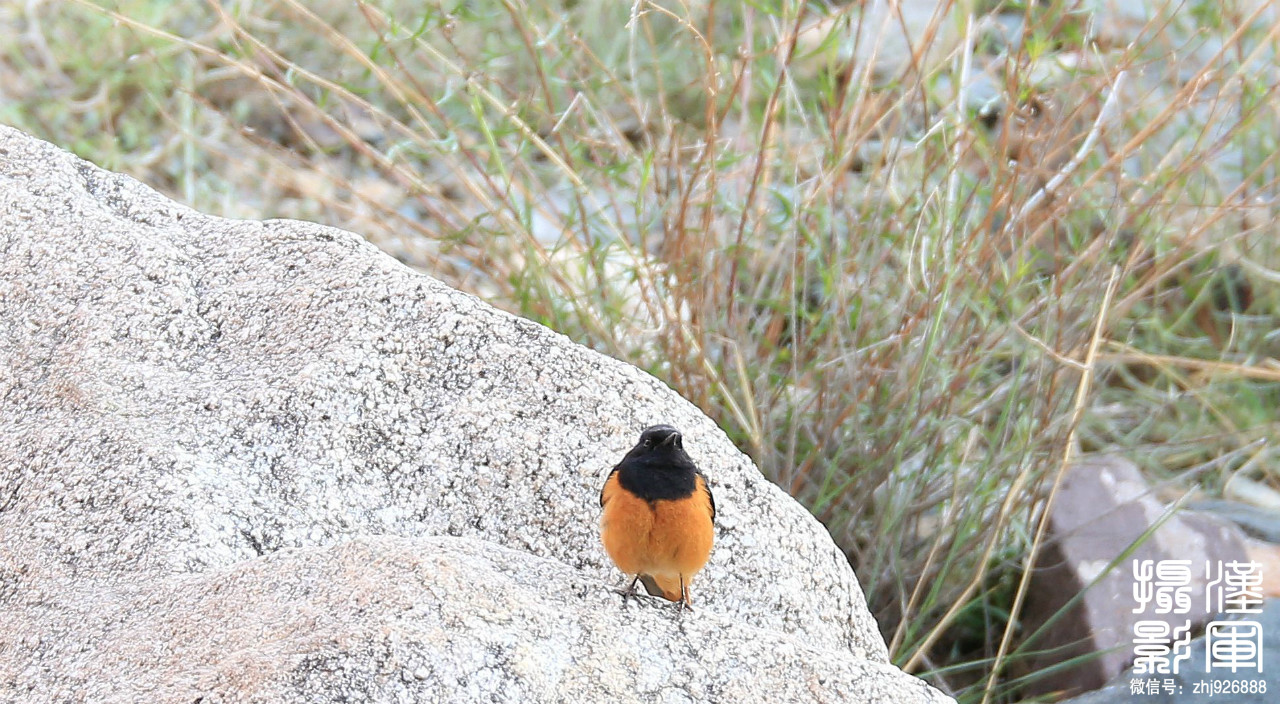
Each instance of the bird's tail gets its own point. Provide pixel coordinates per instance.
(666, 587)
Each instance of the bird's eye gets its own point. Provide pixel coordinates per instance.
(648, 442)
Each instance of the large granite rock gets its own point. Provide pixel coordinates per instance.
(263, 461)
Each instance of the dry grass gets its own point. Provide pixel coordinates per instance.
(880, 268)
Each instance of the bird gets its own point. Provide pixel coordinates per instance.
(658, 516)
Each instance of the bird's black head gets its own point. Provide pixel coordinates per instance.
(660, 439)
(658, 467)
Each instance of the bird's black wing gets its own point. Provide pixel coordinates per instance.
(706, 486)
(606, 483)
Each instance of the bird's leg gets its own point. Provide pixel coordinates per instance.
(685, 602)
(630, 590)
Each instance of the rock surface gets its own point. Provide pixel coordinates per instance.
(1260, 523)
(262, 460)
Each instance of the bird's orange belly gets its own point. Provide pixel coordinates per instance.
(668, 538)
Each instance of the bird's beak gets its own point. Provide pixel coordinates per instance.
(670, 439)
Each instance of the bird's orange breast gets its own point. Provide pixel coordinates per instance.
(668, 539)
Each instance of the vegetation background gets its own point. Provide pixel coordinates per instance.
(912, 256)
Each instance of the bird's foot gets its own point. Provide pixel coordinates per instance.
(630, 590)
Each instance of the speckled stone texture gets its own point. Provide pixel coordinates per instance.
(262, 461)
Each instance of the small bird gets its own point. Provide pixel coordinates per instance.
(658, 518)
